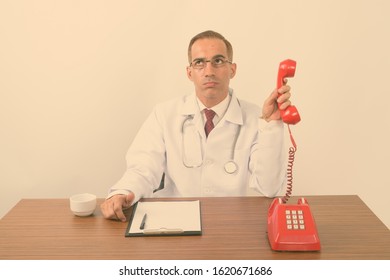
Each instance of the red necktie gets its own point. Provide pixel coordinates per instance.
(209, 121)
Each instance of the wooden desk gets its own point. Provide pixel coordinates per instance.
(233, 228)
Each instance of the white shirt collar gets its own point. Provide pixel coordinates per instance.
(219, 109)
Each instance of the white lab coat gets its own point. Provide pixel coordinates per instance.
(159, 148)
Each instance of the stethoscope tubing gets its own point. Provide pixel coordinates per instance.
(230, 166)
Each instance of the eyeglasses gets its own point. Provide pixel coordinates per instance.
(216, 62)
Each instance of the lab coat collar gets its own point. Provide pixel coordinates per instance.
(233, 113)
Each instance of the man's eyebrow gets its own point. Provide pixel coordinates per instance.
(214, 57)
(199, 58)
(219, 56)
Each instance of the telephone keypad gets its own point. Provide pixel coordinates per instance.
(294, 219)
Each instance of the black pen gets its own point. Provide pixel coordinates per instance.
(142, 226)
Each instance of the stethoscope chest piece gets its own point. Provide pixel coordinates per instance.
(231, 167)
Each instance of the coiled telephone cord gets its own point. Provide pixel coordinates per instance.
(290, 164)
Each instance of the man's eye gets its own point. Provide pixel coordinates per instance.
(198, 62)
(218, 61)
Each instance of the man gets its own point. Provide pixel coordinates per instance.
(243, 151)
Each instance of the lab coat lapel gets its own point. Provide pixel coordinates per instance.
(233, 113)
(191, 108)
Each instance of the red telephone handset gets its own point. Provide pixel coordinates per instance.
(289, 115)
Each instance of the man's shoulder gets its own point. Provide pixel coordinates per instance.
(174, 106)
(248, 106)
(246, 103)
(174, 103)
(175, 100)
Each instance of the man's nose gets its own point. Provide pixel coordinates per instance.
(208, 68)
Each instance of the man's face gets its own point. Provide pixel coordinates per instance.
(211, 83)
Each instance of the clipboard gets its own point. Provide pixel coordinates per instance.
(165, 218)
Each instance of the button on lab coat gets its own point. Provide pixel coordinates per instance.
(172, 141)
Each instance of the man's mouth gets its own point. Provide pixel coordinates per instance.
(210, 84)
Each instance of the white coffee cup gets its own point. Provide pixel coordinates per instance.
(83, 204)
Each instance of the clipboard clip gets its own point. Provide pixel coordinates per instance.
(162, 231)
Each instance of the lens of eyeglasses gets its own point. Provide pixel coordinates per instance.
(215, 62)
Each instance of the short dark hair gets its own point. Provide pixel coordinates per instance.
(209, 34)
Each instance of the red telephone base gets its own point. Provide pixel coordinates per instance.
(291, 227)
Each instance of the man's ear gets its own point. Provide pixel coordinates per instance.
(233, 69)
(189, 73)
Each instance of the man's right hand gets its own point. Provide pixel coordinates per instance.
(112, 208)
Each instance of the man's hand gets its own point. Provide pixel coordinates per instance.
(112, 208)
(271, 109)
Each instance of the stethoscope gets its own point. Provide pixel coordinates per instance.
(230, 166)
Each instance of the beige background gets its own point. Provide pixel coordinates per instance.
(77, 78)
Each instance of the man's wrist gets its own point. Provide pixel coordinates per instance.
(116, 192)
